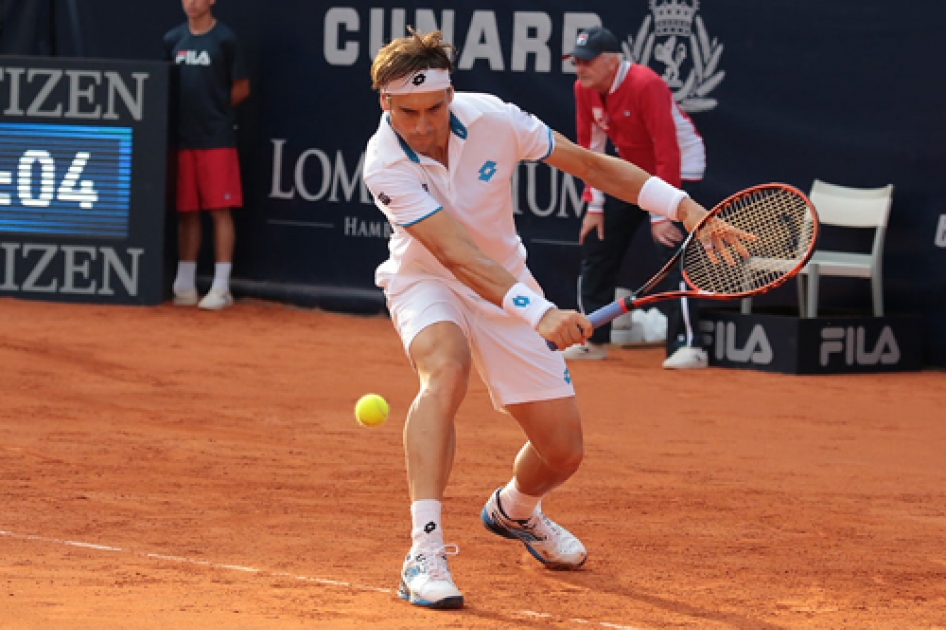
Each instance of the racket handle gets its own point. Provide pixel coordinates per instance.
(607, 313)
(602, 316)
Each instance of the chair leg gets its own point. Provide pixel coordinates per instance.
(746, 306)
(800, 284)
(878, 294)
(812, 290)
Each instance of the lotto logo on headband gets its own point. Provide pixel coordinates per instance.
(426, 80)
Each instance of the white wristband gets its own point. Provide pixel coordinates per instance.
(658, 196)
(522, 302)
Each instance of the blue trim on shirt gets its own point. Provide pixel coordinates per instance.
(551, 144)
(420, 219)
(407, 149)
(457, 127)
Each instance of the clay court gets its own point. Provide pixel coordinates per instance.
(176, 469)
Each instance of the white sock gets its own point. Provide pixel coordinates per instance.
(426, 532)
(185, 276)
(222, 277)
(515, 504)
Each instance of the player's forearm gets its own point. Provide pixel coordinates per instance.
(619, 178)
(453, 247)
(492, 282)
(484, 275)
(616, 177)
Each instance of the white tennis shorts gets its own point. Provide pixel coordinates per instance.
(511, 358)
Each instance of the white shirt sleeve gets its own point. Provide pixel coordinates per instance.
(401, 196)
(533, 136)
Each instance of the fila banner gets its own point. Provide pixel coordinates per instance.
(823, 345)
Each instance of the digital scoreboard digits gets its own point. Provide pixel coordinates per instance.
(65, 180)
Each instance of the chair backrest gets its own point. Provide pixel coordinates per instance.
(851, 207)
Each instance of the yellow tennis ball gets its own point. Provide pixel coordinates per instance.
(371, 410)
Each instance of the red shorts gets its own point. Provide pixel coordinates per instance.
(208, 179)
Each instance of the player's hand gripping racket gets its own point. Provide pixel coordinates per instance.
(748, 244)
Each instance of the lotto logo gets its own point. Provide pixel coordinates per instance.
(487, 171)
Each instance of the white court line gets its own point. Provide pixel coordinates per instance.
(303, 578)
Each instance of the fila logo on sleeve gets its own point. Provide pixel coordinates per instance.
(193, 58)
(487, 170)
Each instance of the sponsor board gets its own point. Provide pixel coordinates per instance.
(83, 184)
(822, 345)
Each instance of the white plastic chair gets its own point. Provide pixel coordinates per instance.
(852, 208)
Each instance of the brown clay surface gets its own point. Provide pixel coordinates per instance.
(175, 469)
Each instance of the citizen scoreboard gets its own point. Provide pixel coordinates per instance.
(83, 179)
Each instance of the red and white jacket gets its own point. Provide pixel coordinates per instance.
(645, 125)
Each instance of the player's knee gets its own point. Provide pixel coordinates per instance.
(566, 457)
(448, 377)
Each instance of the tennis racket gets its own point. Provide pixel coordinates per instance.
(784, 225)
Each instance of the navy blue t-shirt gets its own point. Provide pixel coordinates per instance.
(209, 64)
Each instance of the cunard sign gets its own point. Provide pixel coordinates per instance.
(673, 41)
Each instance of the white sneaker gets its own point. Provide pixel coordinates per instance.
(547, 541)
(215, 300)
(586, 352)
(187, 297)
(426, 579)
(687, 358)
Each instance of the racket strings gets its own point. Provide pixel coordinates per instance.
(784, 227)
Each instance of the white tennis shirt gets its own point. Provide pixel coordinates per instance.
(488, 139)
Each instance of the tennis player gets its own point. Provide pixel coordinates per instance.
(460, 295)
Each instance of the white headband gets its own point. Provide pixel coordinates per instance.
(427, 80)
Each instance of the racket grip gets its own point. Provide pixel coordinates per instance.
(607, 313)
(601, 317)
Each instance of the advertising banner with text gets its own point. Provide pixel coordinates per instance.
(791, 91)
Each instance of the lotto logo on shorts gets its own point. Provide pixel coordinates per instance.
(521, 301)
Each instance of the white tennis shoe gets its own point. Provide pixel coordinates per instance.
(216, 300)
(687, 358)
(426, 579)
(587, 351)
(547, 541)
(187, 297)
